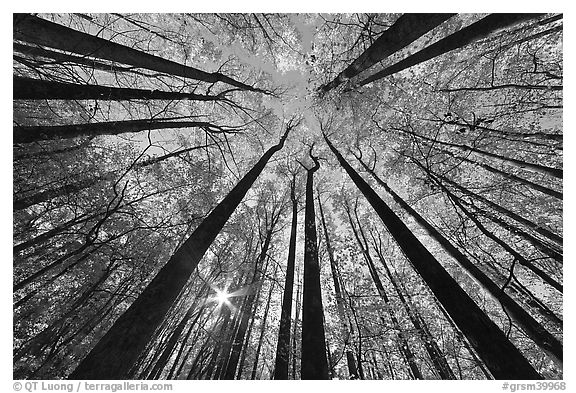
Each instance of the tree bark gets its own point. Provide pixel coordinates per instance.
(502, 358)
(38, 89)
(407, 29)
(29, 134)
(39, 31)
(461, 38)
(314, 362)
(119, 348)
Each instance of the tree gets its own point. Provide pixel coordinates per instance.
(314, 362)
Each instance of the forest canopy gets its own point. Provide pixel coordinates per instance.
(287, 196)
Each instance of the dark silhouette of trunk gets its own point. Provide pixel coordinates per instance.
(39, 31)
(430, 344)
(352, 370)
(68, 189)
(407, 29)
(29, 134)
(67, 59)
(121, 345)
(263, 328)
(403, 342)
(37, 89)
(459, 39)
(501, 357)
(283, 346)
(314, 362)
(545, 170)
(523, 319)
(18, 156)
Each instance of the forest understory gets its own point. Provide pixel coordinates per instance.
(287, 196)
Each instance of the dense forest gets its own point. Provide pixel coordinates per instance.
(287, 196)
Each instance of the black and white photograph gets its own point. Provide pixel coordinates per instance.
(287, 196)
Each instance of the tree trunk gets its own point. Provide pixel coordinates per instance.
(38, 89)
(523, 319)
(407, 29)
(29, 134)
(119, 348)
(463, 37)
(502, 358)
(39, 31)
(283, 346)
(314, 362)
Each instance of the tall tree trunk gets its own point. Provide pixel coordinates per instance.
(407, 29)
(524, 320)
(502, 358)
(459, 39)
(121, 345)
(283, 346)
(314, 362)
(38, 89)
(29, 134)
(352, 369)
(39, 31)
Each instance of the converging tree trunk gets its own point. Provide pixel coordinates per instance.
(501, 357)
(407, 29)
(463, 37)
(29, 134)
(121, 345)
(38, 89)
(31, 29)
(314, 362)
